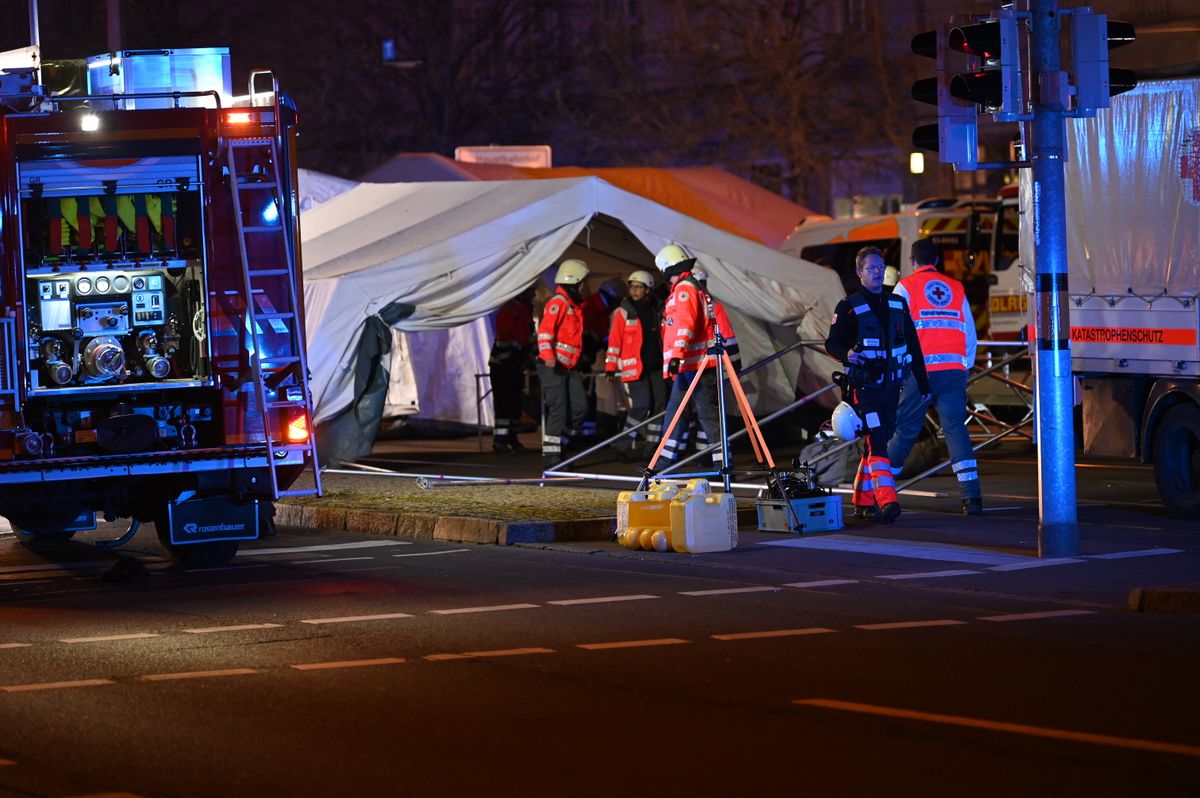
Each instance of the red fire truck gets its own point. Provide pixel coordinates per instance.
(152, 360)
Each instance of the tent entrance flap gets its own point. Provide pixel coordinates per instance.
(350, 434)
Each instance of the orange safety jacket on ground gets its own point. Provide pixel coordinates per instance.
(687, 325)
(560, 333)
(624, 356)
(942, 315)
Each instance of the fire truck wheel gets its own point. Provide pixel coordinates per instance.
(1177, 460)
(196, 555)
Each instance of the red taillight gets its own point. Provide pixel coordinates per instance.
(297, 431)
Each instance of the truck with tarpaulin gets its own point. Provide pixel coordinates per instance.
(152, 359)
(1133, 253)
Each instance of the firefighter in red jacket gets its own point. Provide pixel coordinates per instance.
(635, 357)
(688, 330)
(560, 345)
(514, 333)
(687, 423)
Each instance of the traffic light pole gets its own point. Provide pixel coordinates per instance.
(1058, 528)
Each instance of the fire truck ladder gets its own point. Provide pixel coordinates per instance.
(265, 149)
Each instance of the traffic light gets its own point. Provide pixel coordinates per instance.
(994, 81)
(955, 138)
(1092, 36)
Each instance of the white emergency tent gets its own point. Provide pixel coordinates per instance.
(457, 251)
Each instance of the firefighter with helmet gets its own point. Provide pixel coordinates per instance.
(634, 356)
(687, 423)
(873, 335)
(560, 345)
(688, 329)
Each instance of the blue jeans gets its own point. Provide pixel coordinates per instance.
(950, 399)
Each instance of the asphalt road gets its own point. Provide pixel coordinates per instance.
(930, 658)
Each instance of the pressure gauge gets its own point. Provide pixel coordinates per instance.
(101, 285)
(83, 286)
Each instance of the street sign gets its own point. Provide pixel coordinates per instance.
(536, 156)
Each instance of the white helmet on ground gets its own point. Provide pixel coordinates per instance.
(643, 277)
(846, 421)
(673, 259)
(571, 272)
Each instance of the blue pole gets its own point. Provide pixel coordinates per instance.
(1058, 528)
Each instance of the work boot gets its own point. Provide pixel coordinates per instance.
(972, 506)
(863, 512)
(889, 513)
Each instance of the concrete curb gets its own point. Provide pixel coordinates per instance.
(446, 528)
(1174, 601)
(456, 529)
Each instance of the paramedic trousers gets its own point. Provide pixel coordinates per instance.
(874, 484)
(648, 396)
(508, 383)
(704, 403)
(950, 399)
(566, 405)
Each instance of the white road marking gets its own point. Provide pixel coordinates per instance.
(167, 677)
(1048, 562)
(28, 688)
(240, 628)
(1030, 616)
(929, 574)
(1124, 555)
(875, 627)
(508, 652)
(430, 553)
(662, 641)
(15, 645)
(601, 600)
(1000, 509)
(365, 544)
(731, 590)
(107, 795)
(350, 663)
(444, 657)
(897, 548)
(822, 583)
(351, 618)
(1001, 726)
(812, 630)
(107, 638)
(331, 559)
(65, 567)
(493, 608)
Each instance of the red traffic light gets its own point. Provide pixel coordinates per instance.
(981, 41)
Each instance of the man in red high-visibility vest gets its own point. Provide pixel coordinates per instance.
(942, 315)
(560, 344)
(635, 357)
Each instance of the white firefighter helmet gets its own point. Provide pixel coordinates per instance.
(846, 422)
(891, 276)
(571, 272)
(642, 276)
(673, 259)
